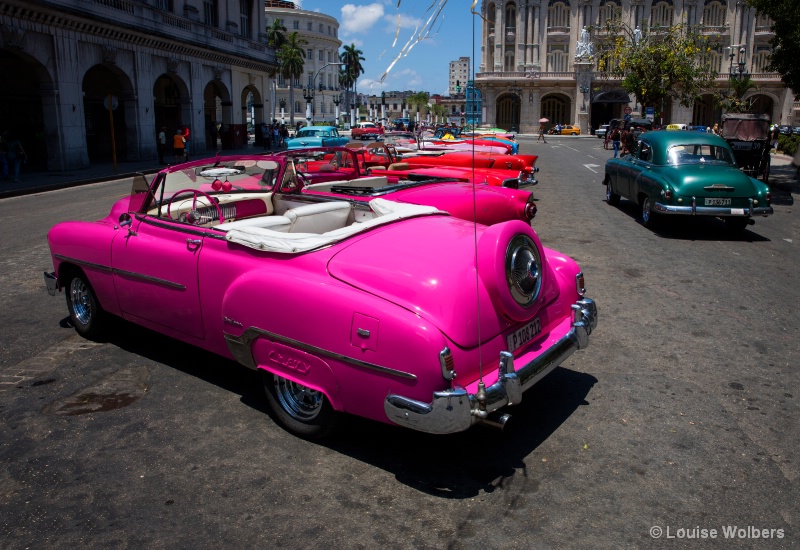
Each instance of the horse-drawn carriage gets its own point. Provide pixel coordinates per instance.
(748, 136)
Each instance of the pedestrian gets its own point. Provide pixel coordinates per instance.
(186, 144)
(161, 143)
(615, 139)
(541, 133)
(279, 135)
(776, 132)
(715, 129)
(15, 154)
(3, 159)
(178, 146)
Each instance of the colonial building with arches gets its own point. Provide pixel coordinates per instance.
(321, 33)
(88, 81)
(537, 60)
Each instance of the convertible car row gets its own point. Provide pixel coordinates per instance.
(408, 289)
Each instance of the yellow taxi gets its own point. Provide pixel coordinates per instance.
(569, 130)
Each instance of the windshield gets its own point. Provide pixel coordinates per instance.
(246, 175)
(699, 154)
(313, 132)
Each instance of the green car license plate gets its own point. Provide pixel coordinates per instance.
(718, 202)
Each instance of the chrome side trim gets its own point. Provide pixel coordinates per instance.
(456, 410)
(241, 348)
(712, 210)
(149, 278)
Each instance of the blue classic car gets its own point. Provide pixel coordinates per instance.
(686, 173)
(317, 136)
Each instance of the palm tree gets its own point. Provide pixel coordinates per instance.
(352, 58)
(276, 38)
(291, 58)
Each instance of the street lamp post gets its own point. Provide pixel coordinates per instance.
(283, 108)
(383, 108)
(308, 95)
(517, 93)
(336, 100)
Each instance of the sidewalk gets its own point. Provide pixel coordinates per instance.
(42, 180)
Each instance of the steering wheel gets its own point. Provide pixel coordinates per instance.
(193, 217)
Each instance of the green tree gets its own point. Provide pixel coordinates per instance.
(418, 100)
(668, 63)
(351, 70)
(291, 60)
(785, 15)
(276, 34)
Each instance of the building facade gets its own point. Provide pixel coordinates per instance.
(94, 80)
(536, 60)
(458, 76)
(319, 84)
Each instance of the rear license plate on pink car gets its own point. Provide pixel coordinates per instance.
(522, 336)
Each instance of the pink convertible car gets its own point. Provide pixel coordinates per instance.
(395, 312)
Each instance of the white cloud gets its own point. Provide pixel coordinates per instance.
(357, 19)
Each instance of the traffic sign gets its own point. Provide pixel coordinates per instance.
(628, 110)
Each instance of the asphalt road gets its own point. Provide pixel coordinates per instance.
(681, 416)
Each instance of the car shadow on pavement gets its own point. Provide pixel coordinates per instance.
(700, 228)
(482, 459)
(457, 466)
(784, 183)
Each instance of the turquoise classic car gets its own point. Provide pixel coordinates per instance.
(317, 136)
(686, 173)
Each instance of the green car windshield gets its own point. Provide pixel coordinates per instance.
(696, 153)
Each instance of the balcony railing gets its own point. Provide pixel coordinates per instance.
(146, 18)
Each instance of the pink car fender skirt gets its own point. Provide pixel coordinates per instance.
(457, 409)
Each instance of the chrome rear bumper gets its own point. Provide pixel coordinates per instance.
(695, 210)
(456, 409)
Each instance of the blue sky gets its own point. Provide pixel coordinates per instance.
(372, 27)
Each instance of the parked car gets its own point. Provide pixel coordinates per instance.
(316, 136)
(601, 132)
(796, 130)
(569, 130)
(341, 310)
(366, 130)
(786, 130)
(686, 173)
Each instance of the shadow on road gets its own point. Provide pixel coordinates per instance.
(451, 466)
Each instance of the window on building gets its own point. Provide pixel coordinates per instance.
(508, 59)
(245, 9)
(609, 12)
(557, 58)
(763, 23)
(166, 5)
(713, 59)
(309, 25)
(210, 10)
(321, 55)
(310, 83)
(296, 25)
(713, 15)
(661, 15)
(281, 81)
(558, 16)
(329, 29)
(330, 57)
(511, 18)
(761, 60)
(321, 27)
(309, 54)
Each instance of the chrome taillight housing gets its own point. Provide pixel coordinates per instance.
(580, 284)
(523, 270)
(530, 208)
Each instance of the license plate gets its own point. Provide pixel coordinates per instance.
(718, 202)
(522, 336)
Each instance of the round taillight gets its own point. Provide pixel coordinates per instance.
(530, 208)
(523, 270)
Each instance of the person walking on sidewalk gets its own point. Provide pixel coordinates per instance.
(178, 146)
(161, 142)
(541, 133)
(15, 154)
(615, 137)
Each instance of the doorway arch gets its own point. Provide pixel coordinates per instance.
(105, 94)
(508, 112)
(557, 109)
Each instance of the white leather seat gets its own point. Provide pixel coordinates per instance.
(317, 218)
(276, 223)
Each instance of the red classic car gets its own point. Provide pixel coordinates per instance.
(366, 130)
(395, 312)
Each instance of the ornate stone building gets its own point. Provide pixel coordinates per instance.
(535, 63)
(93, 80)
(321, 32)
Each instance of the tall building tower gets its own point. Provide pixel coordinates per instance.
(459, 75)
(537, 59)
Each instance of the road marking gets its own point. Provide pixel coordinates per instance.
(592, 167)
(788, 240)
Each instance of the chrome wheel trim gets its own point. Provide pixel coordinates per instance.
(299, 402)
(646, 210)
(81, 303)
(608, 192)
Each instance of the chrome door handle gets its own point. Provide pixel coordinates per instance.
(194, 241)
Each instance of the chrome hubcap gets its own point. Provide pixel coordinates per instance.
(646, 210)
(81, 306)
(301, 402)
(608, 192)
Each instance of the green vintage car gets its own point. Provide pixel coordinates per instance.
(686, 174)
